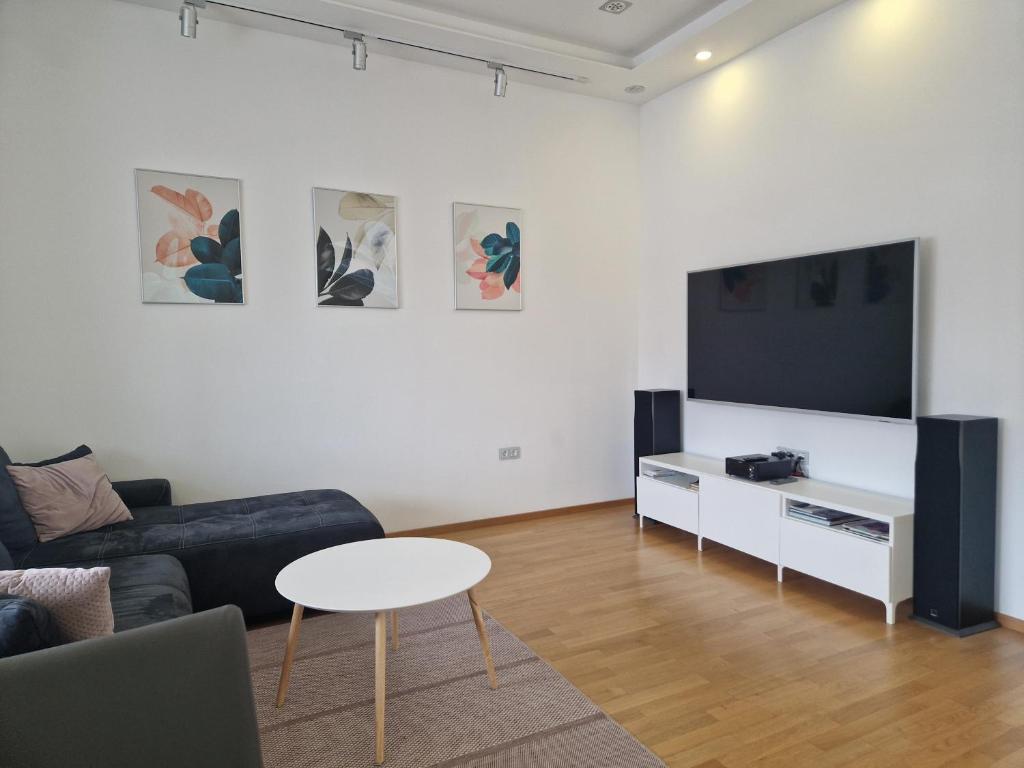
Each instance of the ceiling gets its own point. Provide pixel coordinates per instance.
(578, 21)
(588, 51)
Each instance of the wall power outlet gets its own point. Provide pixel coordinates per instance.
(507, 454)
(804, 456)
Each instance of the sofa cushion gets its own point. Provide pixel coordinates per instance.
(232, 550)
(76, 453)
(6, 561)
(25, 626)
(78, 598)
(16, 531)
(68, 497)
(146, 589)
(144, 493)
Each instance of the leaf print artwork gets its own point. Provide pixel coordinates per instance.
(488, 257)
(190, 237)
(334, 284)
(497, 265)
(217, 276)
(362, 228)
(188, 222)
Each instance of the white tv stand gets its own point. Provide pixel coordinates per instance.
(752, 517)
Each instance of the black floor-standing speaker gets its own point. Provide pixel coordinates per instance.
(955, 523)
(656, 426)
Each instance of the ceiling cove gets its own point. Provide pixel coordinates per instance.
(651, 43)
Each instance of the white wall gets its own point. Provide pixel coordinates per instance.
(879, 120)
(405, 409)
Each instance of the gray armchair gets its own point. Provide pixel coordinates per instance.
(177, 693)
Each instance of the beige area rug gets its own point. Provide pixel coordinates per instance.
(440, 708)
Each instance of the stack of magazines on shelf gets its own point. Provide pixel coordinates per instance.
(649, 470)
(875, 530)
(812, 513)
(675, 477)
(831, 518)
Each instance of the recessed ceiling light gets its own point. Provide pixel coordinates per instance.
(615, 6)
(703, 55)
(636, 89)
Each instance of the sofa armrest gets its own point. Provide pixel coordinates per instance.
(176, 693)
(144, 493)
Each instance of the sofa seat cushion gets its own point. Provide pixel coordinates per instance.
(231, 550)
(145, 589)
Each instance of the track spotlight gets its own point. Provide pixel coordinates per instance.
(359, 55)
(189, 20)
(500, 79)
(358, 50)
(189, 17)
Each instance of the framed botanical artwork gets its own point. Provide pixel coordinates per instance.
(356, 249)
(488, 258)
(190, 241)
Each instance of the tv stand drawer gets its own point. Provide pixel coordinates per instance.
(837, 557)
(740, 515)
(667, 503)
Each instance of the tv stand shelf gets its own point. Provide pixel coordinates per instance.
(752, 517)
(678, 479)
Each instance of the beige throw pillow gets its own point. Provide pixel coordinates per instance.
(78, 598)
(69, 497)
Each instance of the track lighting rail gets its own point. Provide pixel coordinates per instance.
(188, 14)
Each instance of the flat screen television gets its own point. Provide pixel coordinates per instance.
(829, 333)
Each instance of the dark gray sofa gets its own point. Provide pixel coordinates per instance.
(172, 560)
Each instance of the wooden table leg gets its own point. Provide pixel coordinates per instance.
(380, 691)
(394, 630)
(289, 654)
(481, 630)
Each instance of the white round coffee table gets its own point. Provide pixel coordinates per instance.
(378, 576)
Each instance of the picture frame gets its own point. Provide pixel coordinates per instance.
(356, 248)
(489, 267)
(190, 238)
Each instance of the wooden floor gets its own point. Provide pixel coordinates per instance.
(709, 662)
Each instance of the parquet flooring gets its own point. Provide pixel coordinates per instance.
(712, 664)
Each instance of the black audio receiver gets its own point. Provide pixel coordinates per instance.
(758, 467)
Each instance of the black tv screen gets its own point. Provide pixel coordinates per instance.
(830, 332)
